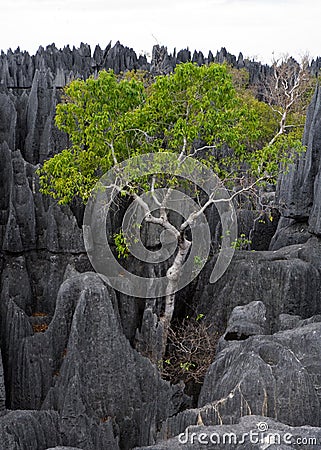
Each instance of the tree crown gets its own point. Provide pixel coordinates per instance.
(196, 110)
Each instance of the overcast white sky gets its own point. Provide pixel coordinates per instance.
(257, 28)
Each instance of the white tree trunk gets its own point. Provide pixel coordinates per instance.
(173, 275)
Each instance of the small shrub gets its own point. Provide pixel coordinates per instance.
(190, 351)
(121, 245)
(241, 243)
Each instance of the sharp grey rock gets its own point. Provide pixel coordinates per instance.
(288, 321)
(245, 435)
(101, 376)
(29, 430)
(240, 60)
(14, 328)
(8, 119)
(198, 58)
(255, 230)
(17, 217)
(62, 232)
(267, 376)
(245, 321)
(15, 283)
(245, 221)
(263, 230)
(21, 227)
(39, 118)
(302, 341)
(184, 56)
(315, 66)
(18, 69)
(5, 188)
(46, 237)
(148, 340)
(277, 278)
(120, 58)
(130, 312)
(275, 376)
(290, 232)
(42, 353)
(299, 190)
(36, 359)
(162, 62)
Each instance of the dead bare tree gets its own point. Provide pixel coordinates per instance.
(286, 91)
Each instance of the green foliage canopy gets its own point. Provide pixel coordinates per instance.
(109, 120)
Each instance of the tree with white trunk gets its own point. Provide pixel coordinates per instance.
(195, 112)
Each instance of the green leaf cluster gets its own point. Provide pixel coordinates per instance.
(121, 243)
(109, 118)
(94, 115)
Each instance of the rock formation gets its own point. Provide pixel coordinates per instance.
(299, 191)
(70, 375)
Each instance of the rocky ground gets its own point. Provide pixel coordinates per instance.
(70, 375)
